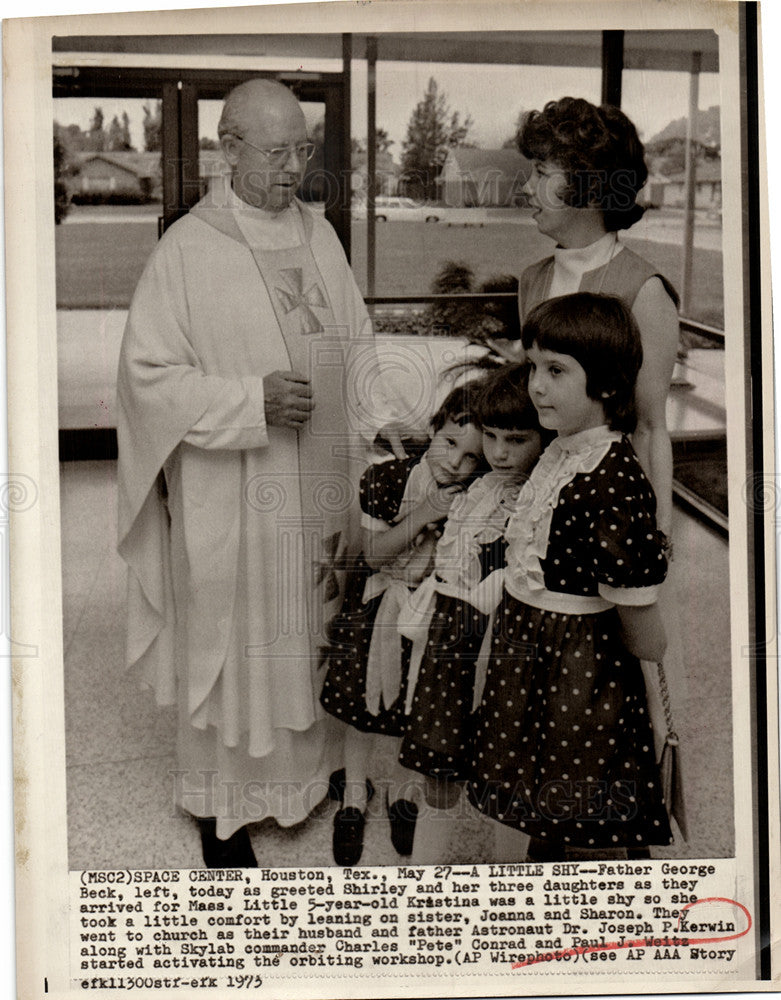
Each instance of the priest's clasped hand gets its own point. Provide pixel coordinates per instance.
(287, 399)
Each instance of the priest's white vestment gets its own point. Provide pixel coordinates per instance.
(236, 533)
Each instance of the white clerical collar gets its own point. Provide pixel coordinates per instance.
(251, 211)
(268, 230)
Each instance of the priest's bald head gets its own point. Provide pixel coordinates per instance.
(263, 135)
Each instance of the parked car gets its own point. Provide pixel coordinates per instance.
(396, 208)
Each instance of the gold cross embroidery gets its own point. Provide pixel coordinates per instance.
(297, 298)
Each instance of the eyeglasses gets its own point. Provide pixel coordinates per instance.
(279, 156)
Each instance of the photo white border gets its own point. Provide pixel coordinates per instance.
(34, 715)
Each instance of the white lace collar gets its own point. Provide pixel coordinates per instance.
(477, 517)
(586, 440)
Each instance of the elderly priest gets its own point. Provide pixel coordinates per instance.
(236, 434)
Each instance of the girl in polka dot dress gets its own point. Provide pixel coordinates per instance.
(403, 504)
(447, 619)
(563, 749)
(446, 610)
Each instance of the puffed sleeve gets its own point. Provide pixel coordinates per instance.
(631, 560)
(381, 490)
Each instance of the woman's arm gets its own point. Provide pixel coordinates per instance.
(510, 350)
(657, 319)
(642, 631)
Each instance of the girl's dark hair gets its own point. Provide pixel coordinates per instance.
(601, 334)
(504, 400)
(600, 151)
(458, 406)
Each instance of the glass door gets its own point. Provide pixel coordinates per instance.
(134, 149)
(327, 181)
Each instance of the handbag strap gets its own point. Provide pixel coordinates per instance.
(672, 736)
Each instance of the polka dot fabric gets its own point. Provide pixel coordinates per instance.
(344, 689)
(563, 748)
(382, 487)
(440, 724)
(603, 532)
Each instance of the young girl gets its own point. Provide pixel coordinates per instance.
(450, 624)
(563, 749)
(448, 614)
(403, 503)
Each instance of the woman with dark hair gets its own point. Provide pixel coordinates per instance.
(588, 167)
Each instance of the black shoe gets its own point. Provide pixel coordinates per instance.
(348, 836)
(403, 816)
(235, 852)
(336, 787)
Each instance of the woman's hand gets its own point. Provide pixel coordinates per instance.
(510, 350)
(394, 431)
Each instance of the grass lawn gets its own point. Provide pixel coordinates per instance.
(99, 264)
(153, 209)
(409, 255)
(707, 277)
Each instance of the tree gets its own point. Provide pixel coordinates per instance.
(317, 133)
(477, 320)
(96, 135)
(383, 142)
(707, 129)
(511, 142)
(433, 129)
(668, 156)
(153, 121)
(126, 143)
(666, 151)
(119, 135)
(385, 170)
(317, 184)
(62, 170)
(72, 137)
(114, 140)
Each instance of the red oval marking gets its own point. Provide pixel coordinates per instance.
(643, 942)
(717, 899)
